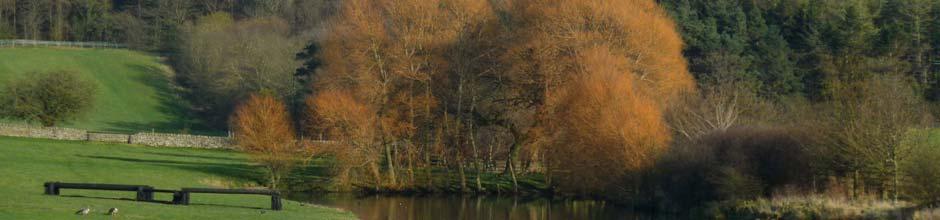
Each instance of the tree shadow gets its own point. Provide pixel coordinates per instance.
(314, 176)
(170, 102)
(162, 202)
(193, 156)
(117, 199)
(230, 206)
(232, 170)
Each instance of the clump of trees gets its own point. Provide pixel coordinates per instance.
(49, 98)
(571, 85)
(222, 61)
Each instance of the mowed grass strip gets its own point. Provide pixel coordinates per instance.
(25, 164)
(134, 92)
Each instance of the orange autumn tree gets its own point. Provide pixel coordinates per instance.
(385, 56)
(597, 75)
(263, 129)
(341, 117)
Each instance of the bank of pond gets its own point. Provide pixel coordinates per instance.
(28, 163)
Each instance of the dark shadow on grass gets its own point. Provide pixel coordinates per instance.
(230, 206)
(314, 177)
(119, 199)
(162, 202)
(193, 156)
(171, 102)
(237, 171)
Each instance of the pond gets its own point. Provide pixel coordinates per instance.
(472, 207)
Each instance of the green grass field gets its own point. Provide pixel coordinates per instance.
(134, 92)
(28, 163)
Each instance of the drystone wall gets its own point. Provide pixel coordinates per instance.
(181, 140)
(106, 137)
(144, 138)
(15, 130)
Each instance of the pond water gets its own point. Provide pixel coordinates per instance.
(473, 207)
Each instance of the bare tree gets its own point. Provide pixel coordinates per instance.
(866, 123)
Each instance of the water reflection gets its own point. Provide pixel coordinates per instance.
(472, 207)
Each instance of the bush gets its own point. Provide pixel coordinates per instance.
(921, 169)
(49, 98)
(741, 163)
(813, 207)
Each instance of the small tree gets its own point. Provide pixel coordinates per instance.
(49, 98)
(263, 129)
(866, 123)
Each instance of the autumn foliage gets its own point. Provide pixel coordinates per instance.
(607, 127)
(264, 130)
(601, 73)
(343, 118)
(382, 58)
(576, 86)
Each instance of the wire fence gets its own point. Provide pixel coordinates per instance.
(39, 43)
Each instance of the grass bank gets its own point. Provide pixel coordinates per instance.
(134, 89)
(28, 163)
(814, 207)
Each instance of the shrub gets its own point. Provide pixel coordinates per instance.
(741, 163)
(921, 169)
(49, 98)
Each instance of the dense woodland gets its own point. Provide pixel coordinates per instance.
(680, 102)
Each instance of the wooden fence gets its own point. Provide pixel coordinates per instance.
(39, 43)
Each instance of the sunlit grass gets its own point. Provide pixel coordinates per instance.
(28, 163)
(134, 90)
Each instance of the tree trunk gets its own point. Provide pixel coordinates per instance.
(374, 167)
(463, 175)
(512, 173)
(14, 21)
(391, 164)
(513, 154)
(855, 185)
(476, 160)
(548, 172)
(274, 177)
(897, 181)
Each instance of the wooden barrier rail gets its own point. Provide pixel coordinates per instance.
(183, 197)
(145, 193)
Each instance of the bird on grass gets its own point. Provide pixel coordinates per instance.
(83, 211)
(113, 211)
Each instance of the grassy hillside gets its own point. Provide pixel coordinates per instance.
(134, 92)
(28, 163)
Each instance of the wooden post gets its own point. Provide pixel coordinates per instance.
(51, 188)
(184, 198)
(141, 195)
(276, 201)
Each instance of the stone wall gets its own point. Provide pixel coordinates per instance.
(145, 138)
(16, 130)
(184, 140)
(106, 137)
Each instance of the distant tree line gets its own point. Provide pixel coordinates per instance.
(143, 24)
(792, 47)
